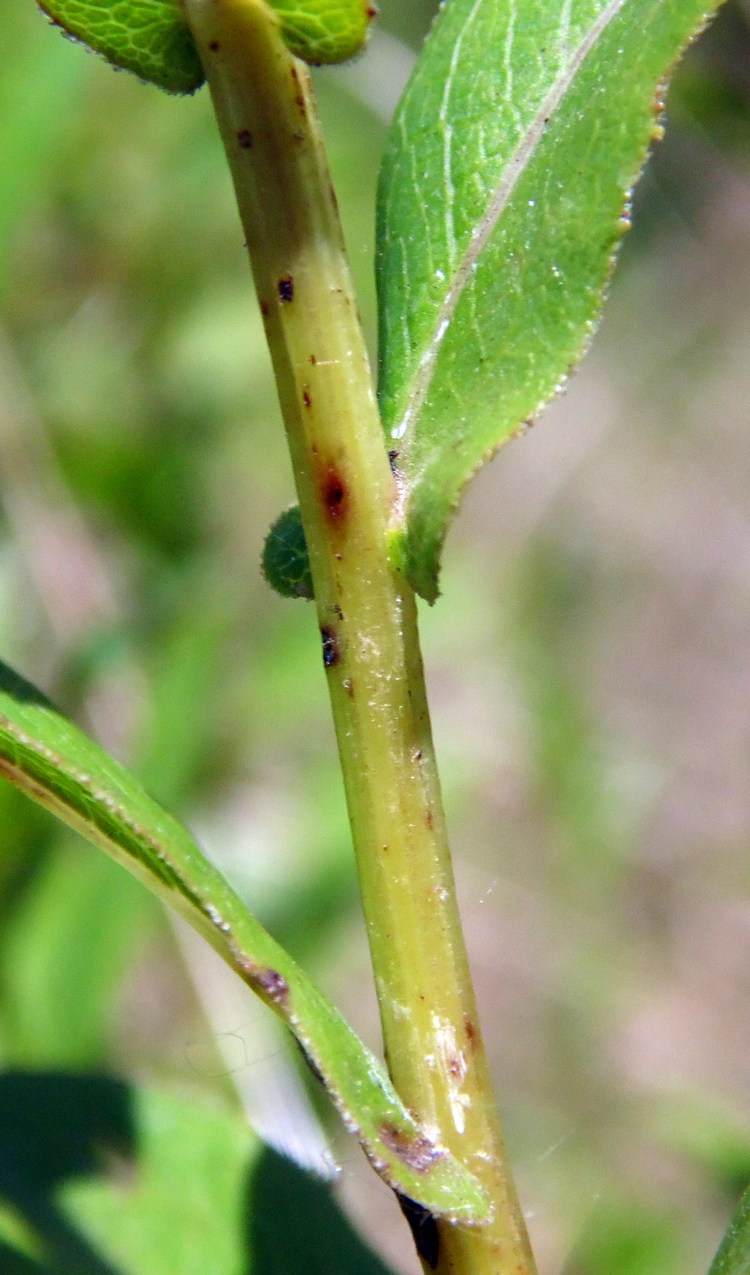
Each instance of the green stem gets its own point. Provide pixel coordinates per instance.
(264, 104)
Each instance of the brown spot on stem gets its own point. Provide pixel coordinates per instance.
(264, 309)
(285, 288)
(429, 820)
(414, 1150)
(423, 1228)
(245, 138)
(298, 96)
(273, 984)
(313, 359)
(471, 1031)
(334, 495)
(214, 46)
(306, 399)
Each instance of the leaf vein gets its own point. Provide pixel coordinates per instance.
(511, 174)
(508, 67)
(447, 130)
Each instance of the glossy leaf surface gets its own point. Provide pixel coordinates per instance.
(58, 766)
(504, 192)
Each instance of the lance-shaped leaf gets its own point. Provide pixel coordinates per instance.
(47, 757)
(504, 191)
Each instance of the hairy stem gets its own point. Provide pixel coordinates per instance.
(367, 614)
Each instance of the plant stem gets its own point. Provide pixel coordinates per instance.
(367, 614)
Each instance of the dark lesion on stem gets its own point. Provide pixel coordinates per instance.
(331, 653)
(285, 288)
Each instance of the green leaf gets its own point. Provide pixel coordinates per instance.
(504, 192)
(148, 37)
(320, 31)
(97, 1176)
(59, 767)
(733, 1256)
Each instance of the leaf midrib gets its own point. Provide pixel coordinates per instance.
(509, 178)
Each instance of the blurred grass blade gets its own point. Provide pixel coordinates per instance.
(503, 195)
(66, 943)
(733, 1256)
(58, 766)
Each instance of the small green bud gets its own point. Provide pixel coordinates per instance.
(285, 560)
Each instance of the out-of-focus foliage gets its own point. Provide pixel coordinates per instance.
(146, 1182)
(588, 662)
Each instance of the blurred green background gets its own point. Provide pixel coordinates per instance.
(588, 662)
